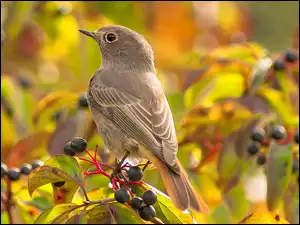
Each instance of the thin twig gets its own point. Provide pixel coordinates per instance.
(9, 201)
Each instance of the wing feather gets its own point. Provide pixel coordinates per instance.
(152, 120)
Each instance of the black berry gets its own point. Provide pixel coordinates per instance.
(149, 197)
(4, 169)
(147, 212)
(261, 159)
(295, 166)
(278, 132)
(122, 195)
(36, 164)
(24, 83)
(290, 56)
(59, 183)
(13, 174)
(68, 150)
(296, 137)
(253, 148)
(258, 135)
(78, 144)
(26, 169)
(137, 203)
(82, 101)
(278, 65)
(135, 173)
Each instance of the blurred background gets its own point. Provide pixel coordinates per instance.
(222, 64)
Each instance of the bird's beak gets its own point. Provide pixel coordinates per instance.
(88, 33)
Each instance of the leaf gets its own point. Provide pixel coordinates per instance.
(59, 213)
(276, 101)
(291, 203)
(99, 214)
(40, 203)
(52, 103)
(123, 214)
(248, 52)
(69, 165)
(211, 88)
(46, 174)
(235, 199)
(279, 169)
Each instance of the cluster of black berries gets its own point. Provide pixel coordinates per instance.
(141, 204)
(77, 145)
(14, 174)
(290, 56)
(258, 137)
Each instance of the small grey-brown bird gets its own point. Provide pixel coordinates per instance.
(131, 110)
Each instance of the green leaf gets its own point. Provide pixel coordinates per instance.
(46, 174)
(198, 91)
(211, 88)
(276, 100)
(279, 169)
(41, 203)
(60, 213)
(235, 199)
(67, 164)
(124, 215)
(99, 214)
(221, 215)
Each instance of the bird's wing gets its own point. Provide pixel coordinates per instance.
(152, 121)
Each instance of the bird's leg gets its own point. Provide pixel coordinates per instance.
(119, 165)
(146, 165)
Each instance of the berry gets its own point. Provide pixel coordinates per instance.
(13, 174)
(26, 169)
(36, 163)
(261, 159)
(4, 169)
(122, 195)
(78, 144)
(253, 148)
(258, 135)
(59, 183)
(278, 132)
(147, 212)
(278, 65)
(296, 137)
(135, 173)
(137, 203)
(82, 101)
(68, 150)
(295, 166)
(149, 197)
(25, 83)
(290, 56)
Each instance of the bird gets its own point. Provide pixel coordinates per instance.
(131, 111)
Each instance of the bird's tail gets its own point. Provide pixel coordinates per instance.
(180, 189)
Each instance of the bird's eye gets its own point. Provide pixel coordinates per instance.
(111, 37)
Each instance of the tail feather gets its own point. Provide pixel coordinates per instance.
(180, 189)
